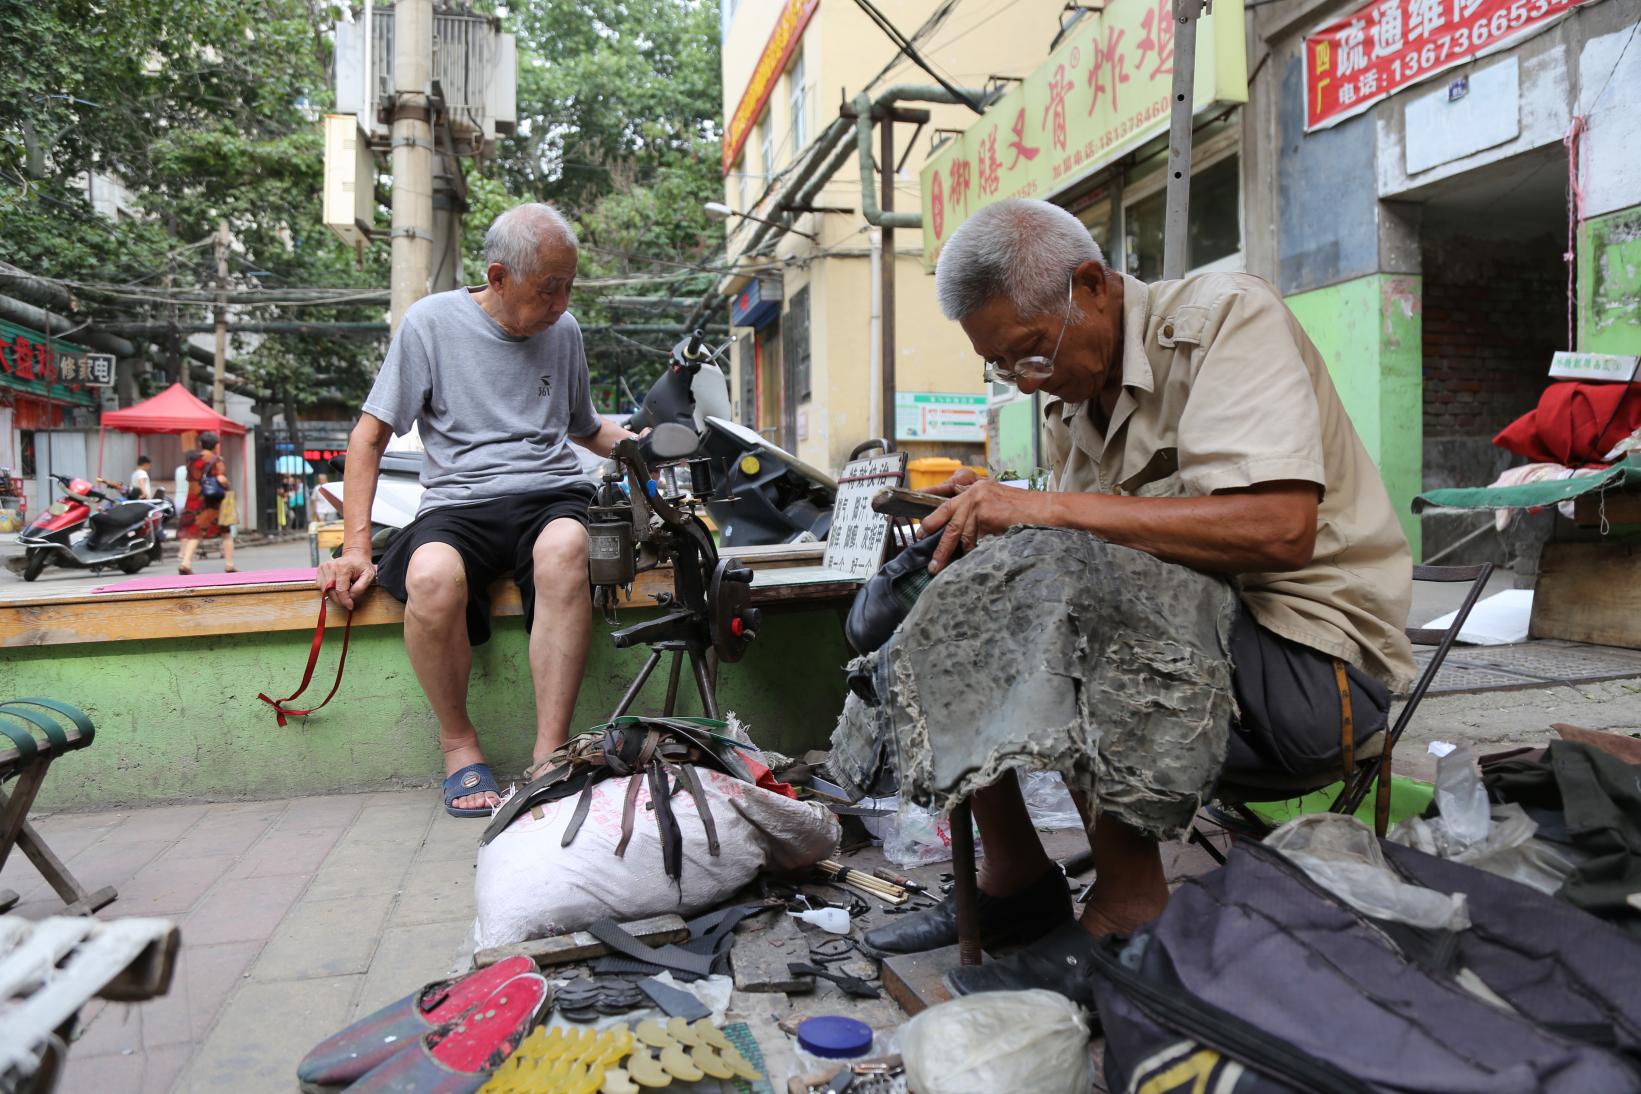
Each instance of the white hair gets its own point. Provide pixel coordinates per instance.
(1020, 248)
(516, 237)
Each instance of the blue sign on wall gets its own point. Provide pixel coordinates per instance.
(757, 305)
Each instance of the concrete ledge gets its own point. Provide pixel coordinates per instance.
(171, 681)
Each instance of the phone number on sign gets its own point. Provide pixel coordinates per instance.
(1465, 39)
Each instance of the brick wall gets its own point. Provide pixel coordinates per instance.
(1493, 315)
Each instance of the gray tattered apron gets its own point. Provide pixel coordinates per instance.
(1052, 650)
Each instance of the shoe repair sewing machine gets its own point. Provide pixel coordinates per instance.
(646, 515)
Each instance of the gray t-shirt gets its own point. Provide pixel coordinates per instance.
(496, 412)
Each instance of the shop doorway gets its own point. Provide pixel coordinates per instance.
(1495, 306)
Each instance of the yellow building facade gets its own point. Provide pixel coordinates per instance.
(806, 365)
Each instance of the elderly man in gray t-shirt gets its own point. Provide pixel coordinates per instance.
(496, 380)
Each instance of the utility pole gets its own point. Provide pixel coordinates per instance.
(412, 152)
(219, 363)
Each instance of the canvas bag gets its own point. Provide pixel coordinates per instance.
(1257, 980)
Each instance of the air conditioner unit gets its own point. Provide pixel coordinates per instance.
(350, 180)
(475, 71)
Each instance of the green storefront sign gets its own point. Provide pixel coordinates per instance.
(33, 363)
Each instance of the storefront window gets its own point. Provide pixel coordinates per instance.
(1214, 232)
(1102, 226)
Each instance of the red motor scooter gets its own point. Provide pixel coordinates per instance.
(76, 534)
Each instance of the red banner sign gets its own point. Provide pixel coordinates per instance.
(789, 26)
(1384, 46)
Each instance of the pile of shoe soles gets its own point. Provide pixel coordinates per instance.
(484, 1032)
(591, 1061)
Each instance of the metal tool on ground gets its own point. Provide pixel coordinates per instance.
(883, 873)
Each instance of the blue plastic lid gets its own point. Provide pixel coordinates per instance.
(834, 1036)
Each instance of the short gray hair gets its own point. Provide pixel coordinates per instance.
(516, 237)
(1019, 248)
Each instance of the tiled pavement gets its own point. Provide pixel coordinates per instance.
(295, 916)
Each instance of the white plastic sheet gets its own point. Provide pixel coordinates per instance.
(998, 1041)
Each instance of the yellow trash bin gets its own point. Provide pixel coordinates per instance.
(930, 470)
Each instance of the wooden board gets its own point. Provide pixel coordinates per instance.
(566, 949)
(1607, 508)
(1589, 592)
(914, 980)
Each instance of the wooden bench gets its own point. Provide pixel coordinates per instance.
(33, 733)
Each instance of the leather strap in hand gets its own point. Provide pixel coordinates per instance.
(280, 709)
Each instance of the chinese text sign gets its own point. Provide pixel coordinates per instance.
(860, 535)
(1101, 94)
(1384, 46)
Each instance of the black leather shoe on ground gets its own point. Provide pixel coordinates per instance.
(1060, 961)
(1004, 920)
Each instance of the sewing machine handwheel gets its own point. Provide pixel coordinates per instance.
(733, 622)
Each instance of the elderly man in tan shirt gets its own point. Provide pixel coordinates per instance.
(1203, 469)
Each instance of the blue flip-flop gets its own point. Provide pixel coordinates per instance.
(472, 779)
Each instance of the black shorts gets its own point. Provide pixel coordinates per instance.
(493, 537)
(1287, 695)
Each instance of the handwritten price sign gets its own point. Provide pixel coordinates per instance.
(1382, 47)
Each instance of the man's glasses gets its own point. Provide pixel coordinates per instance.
(1035, 367)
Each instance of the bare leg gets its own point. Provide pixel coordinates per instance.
(228, 552)
(1129, 886)
(561, 631)
(1014, 855)
(185, 558)
(436, 640)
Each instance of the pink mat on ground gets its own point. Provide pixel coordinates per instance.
(302, 576)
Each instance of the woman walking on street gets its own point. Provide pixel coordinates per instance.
(201, 518)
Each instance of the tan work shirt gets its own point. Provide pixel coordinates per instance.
(1222, 389)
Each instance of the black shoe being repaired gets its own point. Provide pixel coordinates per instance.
(1004, 920)
(1060, 961)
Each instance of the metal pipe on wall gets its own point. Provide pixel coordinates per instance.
(1176, 216)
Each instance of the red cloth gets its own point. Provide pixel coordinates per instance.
(762, 776)
(1564, 427)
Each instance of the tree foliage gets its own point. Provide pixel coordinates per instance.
(620, 104)
(204, 110)
(208, 110)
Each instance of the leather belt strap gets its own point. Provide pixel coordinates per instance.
(628, 810)
(280, 709)
(691, 779)
(666, 824)
(583, 802)
(1347, 722)
(612, 935)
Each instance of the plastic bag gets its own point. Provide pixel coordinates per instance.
(1049, 802)
(1342, 855)
(1497, 838)
(529, 885)
(998, 1041)
(916, 836)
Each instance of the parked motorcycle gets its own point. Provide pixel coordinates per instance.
(88, 529)
(760, 492)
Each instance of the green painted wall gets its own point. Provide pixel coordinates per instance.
(1369, 331)
(179, 719)
(1609, 283)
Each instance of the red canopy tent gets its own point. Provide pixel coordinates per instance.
(174, 410)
